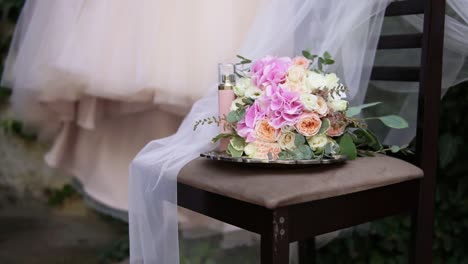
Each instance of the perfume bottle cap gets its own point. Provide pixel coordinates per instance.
(227, 77)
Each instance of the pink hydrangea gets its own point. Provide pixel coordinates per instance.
(285, 108)
(246, 126)
(270, 71)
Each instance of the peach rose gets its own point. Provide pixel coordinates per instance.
(301, 61)
(322, 109)
(265, 132)
(262, 149)
(309, 124)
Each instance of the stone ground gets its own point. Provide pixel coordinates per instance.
(34, 231)
(31, 230)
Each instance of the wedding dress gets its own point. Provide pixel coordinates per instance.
(102, 78)
(347, 29)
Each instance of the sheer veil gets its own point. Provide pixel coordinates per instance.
(347, 29)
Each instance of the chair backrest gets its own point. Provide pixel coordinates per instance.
(428, 74)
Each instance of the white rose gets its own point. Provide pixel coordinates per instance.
(315, 81)
(253, 92)
(250, 150)
(332, 80)
(287, 128)
(309, 101)
(234, 103)
(241, 85)
(286, 140)
(338, 105)
(296, 74)
(317, 142)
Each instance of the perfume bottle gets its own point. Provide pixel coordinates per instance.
(227, 81)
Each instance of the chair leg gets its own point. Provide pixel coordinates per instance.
(307, 251)
(422, 224)
(274, 242)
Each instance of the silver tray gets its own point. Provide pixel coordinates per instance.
(222, 156)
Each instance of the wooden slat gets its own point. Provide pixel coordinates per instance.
(407, 41)
(408, 7)
(330, 214)
(402, 74)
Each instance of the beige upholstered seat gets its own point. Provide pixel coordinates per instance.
(276, 187)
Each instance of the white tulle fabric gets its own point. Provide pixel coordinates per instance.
(455, 65)
(159, 52)
(347, 29)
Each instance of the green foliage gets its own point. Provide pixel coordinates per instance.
(325, 126)
(57, 197)
(208, 120)
(4, 93)
(15, 127)
(355, 110)
(116, 252)
(387, 240)
(347, 146)
(220, 136)
(393, 121)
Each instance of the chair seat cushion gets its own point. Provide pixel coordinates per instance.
(276, 187)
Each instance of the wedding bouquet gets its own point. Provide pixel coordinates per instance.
(290, 108)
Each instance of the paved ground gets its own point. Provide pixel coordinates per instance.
(32, 231)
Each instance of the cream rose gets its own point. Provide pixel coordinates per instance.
(309, 101)
(309, 124)
(296, 74)
(234, 104)
(250, 150)
(241, 86)
(317, 142)
(331, 80)
(286, 140)
(322, 109)
(315, 81)
(338, 105)
(286, 129)
(265, 132)
(298, 87)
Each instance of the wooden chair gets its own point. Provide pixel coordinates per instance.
(284, 206)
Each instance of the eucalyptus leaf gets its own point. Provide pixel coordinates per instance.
(247, 101)
(220, 136)
(394, 121)
(299, 140)
(298, 154)
(347, 147)
(286, 155)
(234, 152)
(325, 126)
(395, 149)
(238, 143)
(232, 117)
(308, 55)
(355, 110)
(244, 59)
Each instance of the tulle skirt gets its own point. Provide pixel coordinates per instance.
(102, 78)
